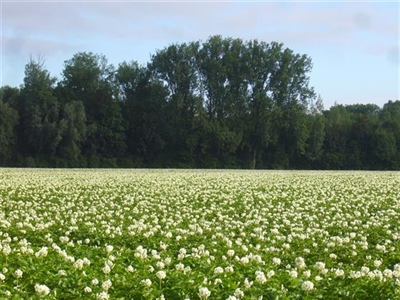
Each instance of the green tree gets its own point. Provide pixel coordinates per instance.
(260, 60)
(143, 100)
(38, 131)
(221, 131)
(278, 97)
(316, 133)
(364, 119)
(384, 149)
(337, 128)
(89, 78)
(74, 131)
(8, 122)
(175, 67)
(387, 138)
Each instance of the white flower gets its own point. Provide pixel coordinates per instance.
(204, 293)
(244, 260)
(78, 264)
(168, 261)
(42, 289)
(106, 285)
(111, 258)
(109, 248)
(95, 281)
(307, 274)
(364, 270)
(6, 249)
(146, 282)
(354, 274)
(339, 272)
(239, 293)
(300, 262)
(87, 290)
(307, 286)
(377, 263)
(2, 277)
(218, 270)
(180, 267)
(229, 269)
(230, 252)
(293, 273)
(395, 268)
(276, 261)
(106, 269)
(260, 277)
(247, 283)
(320, 265)
(103, 296)
(69, 258)
(42, 252)
(64, 239)
(161, 274)
(129, 269)
(18, 273)
(388, 273)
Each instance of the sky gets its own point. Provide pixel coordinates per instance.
(354, 45)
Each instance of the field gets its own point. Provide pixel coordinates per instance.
(196, 234)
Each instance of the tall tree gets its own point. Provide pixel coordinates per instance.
(143, 99)
(316, 136)
(260, 61)
(216, 59)
(386, 141)
(292, 94)
(364, 119)
(174, 66)
(89, 78)
(8, 122)
(337, 125)
(38, 131)
(74, 131)
(279, 95)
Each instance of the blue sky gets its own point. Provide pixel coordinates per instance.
(354, 46)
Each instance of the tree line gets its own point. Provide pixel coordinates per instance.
(221, 103)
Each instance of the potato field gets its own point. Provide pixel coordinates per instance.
(199, 234)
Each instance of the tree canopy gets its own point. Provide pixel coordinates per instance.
(219, 103)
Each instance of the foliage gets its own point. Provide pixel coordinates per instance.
(219, 103)
(192, 234)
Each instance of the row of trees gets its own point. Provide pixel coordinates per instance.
(220, 103)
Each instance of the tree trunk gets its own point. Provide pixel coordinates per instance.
(253, 162)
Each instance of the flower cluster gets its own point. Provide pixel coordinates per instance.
(191, 234)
